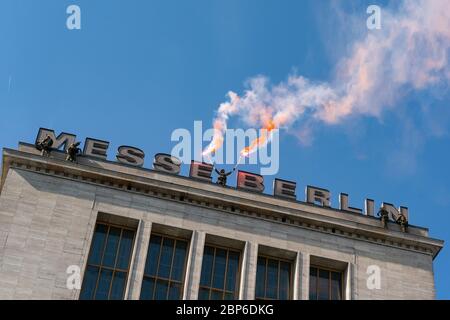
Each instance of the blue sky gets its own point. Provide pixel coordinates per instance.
(137, 70)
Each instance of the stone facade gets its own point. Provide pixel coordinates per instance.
(49, 208)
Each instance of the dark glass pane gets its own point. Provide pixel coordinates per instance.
(89, 283)
(219, 268)
(103, 285)
(161, 290)
(175, 291)
(313, 284)
(208, 256)
(179, 261)
(232, 270)
(336, 286)
(126, 245)
(272, 279)
(260, 277)
(229, 296)
(166, 258)
(98, 243)
(216, 295)
(284, 287)
(153, 256)
(111, 247)
(147, 289)
(118, 286)
(203, 294)
(324, 284)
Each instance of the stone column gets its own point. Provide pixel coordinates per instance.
(194, 266)
(297, 277)
(139, 257)
(248, 271)
(302, 286)
(350, 285)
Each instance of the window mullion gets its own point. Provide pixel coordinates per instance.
(101, 262)
(265, 277)
(115, 263)
(171, 266)
(157, 267)
(225, 275)
(317, 283)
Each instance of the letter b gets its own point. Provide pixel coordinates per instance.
(250, 181)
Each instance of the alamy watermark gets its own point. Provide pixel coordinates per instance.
(374, 279)
(374, 20)
(190, 147)
(73, 281)
(73, 21)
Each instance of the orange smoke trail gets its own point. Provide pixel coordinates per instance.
(410, 52)
(217, 140)
(259, 142)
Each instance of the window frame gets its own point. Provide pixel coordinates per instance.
(169, 281)
(100, 266)
(329, 270)
(238, 278)
(291, 276)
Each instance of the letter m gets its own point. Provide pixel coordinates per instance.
(64, 139)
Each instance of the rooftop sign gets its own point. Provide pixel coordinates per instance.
(47, 141)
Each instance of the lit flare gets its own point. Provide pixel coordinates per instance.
(260, 141)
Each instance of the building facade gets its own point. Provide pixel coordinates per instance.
(124, 232)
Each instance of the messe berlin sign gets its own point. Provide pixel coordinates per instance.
(46, 141)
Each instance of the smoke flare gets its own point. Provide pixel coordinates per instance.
(409, 52)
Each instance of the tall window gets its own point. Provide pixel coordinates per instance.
(220, 274)
(164, 269)
(273, 279)
(325, 284)
(108, 264)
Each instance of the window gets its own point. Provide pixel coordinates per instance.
(108, 264)
(220, 274)
(164, 269)
(325, 284)
(273, 279)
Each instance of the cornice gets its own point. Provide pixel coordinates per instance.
(180, 189)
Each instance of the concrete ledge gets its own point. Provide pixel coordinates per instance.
(182, 189)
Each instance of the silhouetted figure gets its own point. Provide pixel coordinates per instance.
(403, 222)
(222, 178)
(45, 146)
(384, 217)
(73, 151)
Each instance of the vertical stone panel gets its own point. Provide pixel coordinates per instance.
(194, 266)
(139, 258)
(248, 271)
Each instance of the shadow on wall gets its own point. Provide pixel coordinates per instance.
(123, 200)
